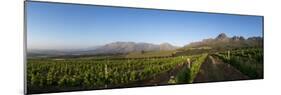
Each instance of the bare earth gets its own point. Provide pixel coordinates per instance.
(214, 69)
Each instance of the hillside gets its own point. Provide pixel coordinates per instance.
(222, 41)
(127, 47)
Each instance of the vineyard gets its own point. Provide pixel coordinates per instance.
(92, 73)
(187, 75)
(99, 72)
(248, 61)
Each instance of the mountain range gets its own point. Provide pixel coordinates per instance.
(126, 47)
(111, 48)
(222, 41)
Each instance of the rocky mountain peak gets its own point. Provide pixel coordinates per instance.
(221, 36)
(237, 38)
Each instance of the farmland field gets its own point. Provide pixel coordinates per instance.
(248, 61)
(100, 72)
(59, 74)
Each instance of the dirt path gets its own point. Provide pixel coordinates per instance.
(213, 69)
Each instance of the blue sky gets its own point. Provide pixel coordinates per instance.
(68, 26)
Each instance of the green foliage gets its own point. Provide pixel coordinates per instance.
(248, 61)
(95, 73)
(187, 75)
(184, 76)
(150, 54)
(195, 67)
